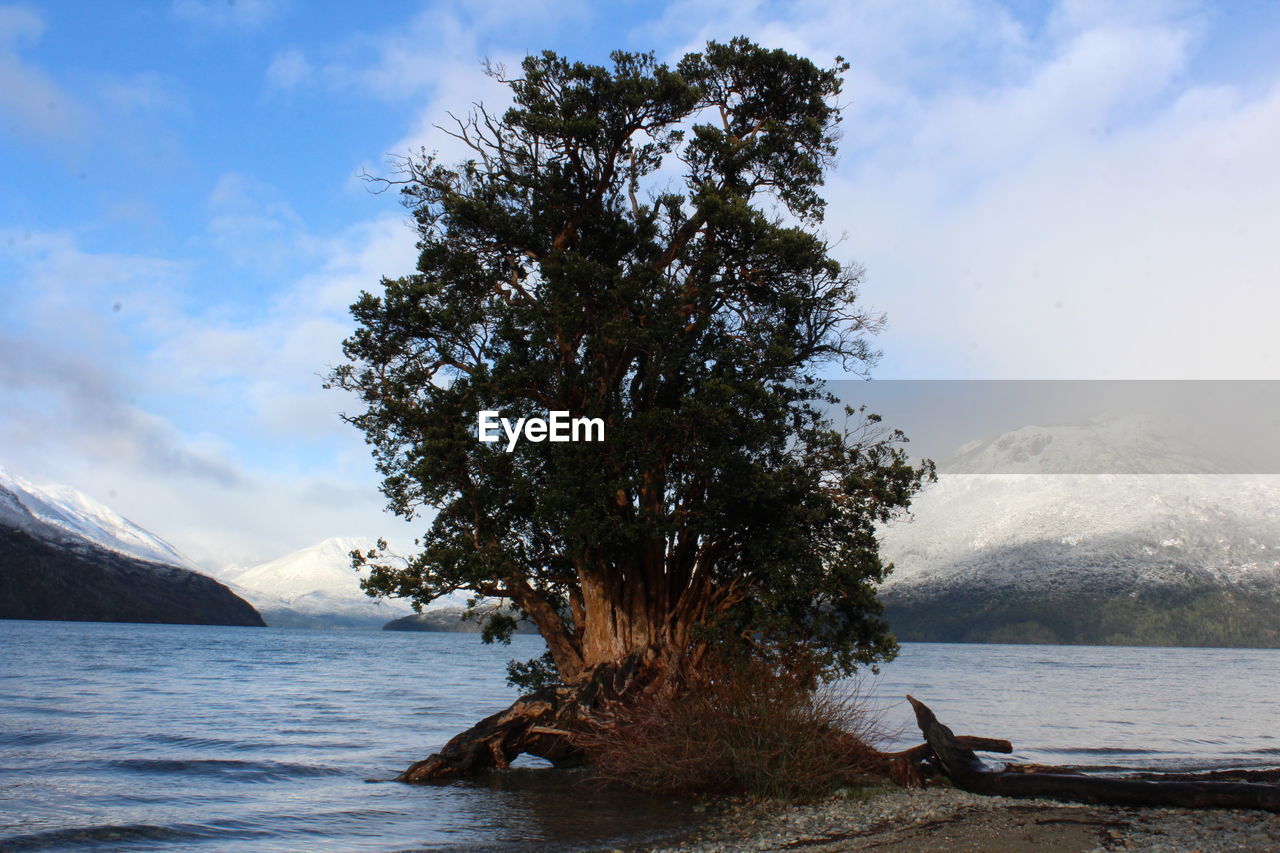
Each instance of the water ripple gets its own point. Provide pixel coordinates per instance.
(127, 837)
(243, 771)
(189, 738)
(32, 738)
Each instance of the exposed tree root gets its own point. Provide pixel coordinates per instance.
(541, 723)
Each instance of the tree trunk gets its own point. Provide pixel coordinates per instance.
(621, 616)
(968, 772)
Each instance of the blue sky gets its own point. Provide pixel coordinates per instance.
(1037, 190)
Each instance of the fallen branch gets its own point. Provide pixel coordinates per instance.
(969, 773)
(979, 744)
(910, 767)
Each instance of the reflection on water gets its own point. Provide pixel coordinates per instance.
(142, 737)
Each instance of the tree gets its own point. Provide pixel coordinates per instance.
(637, 244)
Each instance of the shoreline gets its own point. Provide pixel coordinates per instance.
(944, 819)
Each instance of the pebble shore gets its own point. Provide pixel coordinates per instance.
(896, 820)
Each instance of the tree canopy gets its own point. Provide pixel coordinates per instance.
(641, 244)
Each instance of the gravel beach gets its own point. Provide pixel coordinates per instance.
(896, 820)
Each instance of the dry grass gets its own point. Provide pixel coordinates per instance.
(741, 727)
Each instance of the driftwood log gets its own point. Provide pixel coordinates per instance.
(957, 760)
(910, 767)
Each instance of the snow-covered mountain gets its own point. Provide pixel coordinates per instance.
(1120, 445)
(64, 556)
(61, 514)
(1059, 555)
(317, 587)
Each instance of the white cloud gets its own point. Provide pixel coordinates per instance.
(1080, 226)
(32, 105)
(433, 61)
(915, 41)
(229, 14)
(68, 403)
(1073, 16)
(1145, 254)
(1077, 95)
(143, 93)
(255, 227)
(423, 55)
(19, 24)
(289, 69)
(267, 367)
(212, 430)
(1063, 202)
(264, 369)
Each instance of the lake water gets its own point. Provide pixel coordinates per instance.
(142, 737)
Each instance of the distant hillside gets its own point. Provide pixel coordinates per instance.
(66, 557)
(316, 587)
(446, 619)
(1146, 557)
(1083, 609)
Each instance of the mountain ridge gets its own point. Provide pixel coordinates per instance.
(1138, 556)
(60, 512)
(67, 557)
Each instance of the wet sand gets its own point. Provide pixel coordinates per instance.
(945, 820)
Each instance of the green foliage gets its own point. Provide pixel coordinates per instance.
(533, 674)
(637, 244)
